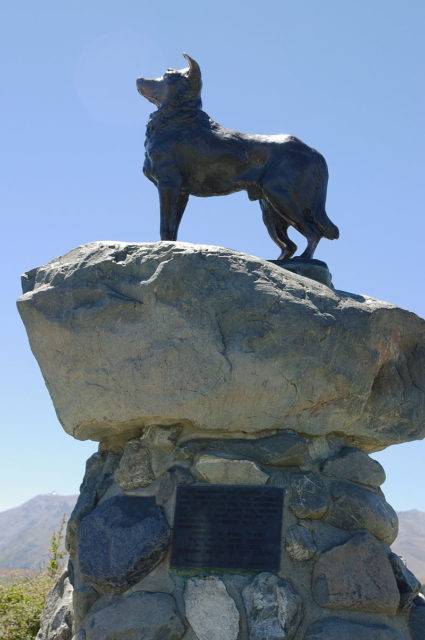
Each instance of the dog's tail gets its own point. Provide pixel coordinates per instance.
(327, 228)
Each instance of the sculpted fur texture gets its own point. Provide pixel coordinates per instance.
(187, 153)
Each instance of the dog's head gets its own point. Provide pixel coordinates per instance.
(174, 87)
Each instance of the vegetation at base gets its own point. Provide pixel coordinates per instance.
(22, 597)
(56, 555)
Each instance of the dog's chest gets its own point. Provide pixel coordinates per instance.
(171, 144)
(160, 141)
(157, 152)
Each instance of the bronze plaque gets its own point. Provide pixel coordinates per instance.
(227, 527)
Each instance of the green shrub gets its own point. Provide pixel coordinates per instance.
(22, 597)
(56, 554)
(21, 603)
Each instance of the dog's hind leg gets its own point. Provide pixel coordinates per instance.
(301, 219)
(277, 227)
(172, 205)
(313, 238)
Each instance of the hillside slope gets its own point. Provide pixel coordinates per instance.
(410, 542)
(25, 531)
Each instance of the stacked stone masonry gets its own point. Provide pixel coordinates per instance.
(197, 365)
(335, 581)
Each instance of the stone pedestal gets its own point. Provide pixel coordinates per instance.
(195, 367)
(309, 268)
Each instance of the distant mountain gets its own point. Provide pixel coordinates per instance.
(25, 534)
(25, 531)
(410, 542)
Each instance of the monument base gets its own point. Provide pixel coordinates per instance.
(309, 268)
(232, 497)
(196, 538)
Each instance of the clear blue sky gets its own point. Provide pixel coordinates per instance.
(346, 77)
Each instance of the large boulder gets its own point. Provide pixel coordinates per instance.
(130, 335)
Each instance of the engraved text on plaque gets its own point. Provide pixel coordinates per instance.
(227, 527)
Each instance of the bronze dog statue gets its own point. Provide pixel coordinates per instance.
(187, 153)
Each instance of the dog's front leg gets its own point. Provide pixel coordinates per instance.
(172, 205)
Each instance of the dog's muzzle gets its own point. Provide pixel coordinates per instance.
(152, 90)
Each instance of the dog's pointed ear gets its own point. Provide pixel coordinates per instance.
(194, 73)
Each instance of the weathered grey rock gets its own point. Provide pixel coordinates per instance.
(210, 610)
(353, 508)
(417, 619)
(273, 608)
(224, 471)
(338, 629)
(83, 599)
(408, 585)
(355, 465)
(180, 475)
(284, 449)
(56, 619)
(299, 543)
(166, 484)
(190, 635)
(98, 477)
(115, 327)
(140, 616)
(308, 496)
(356, 576)
(135, 468)
(158, 580)
(122, 540)
(163, 437)
(163, 489)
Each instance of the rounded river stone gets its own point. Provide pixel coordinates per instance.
(354, 507)
(140, 616)
(122, 540)
(356, 576)
(338, 629)
(355, 465)
(299, 543)
(273, 608)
